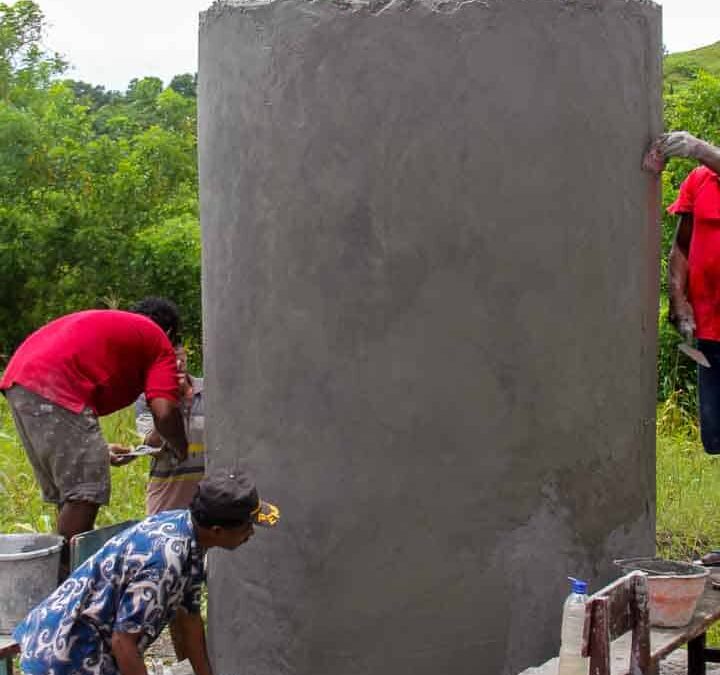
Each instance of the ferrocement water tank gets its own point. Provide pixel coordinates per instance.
(430, 293)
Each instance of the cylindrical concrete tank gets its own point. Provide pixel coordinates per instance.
(430, 291)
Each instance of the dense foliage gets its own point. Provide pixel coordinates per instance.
(98, 189)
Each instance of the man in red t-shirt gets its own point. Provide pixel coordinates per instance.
(75, 369)
(694, 268)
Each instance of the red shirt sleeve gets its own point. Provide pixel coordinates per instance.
(161, 380)
(686, 196)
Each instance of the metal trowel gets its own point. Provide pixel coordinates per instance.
(695, 354)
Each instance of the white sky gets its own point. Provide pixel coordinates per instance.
(109, 43)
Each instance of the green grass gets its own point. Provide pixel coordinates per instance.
(688, 498)
(688, 492)
(22, 509)
(681, 67)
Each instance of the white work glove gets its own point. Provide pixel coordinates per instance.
(678, 144)
(681, 316)
(686, 328)
(674, 144)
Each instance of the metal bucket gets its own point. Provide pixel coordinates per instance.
(29, 566)
(674, 588)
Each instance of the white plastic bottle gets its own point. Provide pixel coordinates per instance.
(571, 632)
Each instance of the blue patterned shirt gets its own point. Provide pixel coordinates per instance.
(133, 584)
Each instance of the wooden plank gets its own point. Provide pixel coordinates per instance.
(662, 640)
(640, 661)
(620, 595)
(599, 634)
(8, 647)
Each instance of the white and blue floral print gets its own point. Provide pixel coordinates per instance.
(133, 584)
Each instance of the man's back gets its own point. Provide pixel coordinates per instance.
(97, 359)
(133, 584)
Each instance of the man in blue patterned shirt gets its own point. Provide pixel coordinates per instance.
(104, 616)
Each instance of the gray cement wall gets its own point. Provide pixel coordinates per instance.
(430, 290)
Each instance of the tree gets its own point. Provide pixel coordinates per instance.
(24, 64)
(98, 190)
(185, 85)
(93, 96)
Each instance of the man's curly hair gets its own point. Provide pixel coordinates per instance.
(163, 312)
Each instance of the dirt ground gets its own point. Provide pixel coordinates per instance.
(162, 650)
(676, 664)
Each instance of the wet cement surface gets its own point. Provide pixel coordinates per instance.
(676, 664)
(430, 265)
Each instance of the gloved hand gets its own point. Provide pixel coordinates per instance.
(678, 144)
(686, 328)
(674, 144)
(682, 317)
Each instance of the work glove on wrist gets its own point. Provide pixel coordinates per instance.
(673, 144)
(679, 144)
(681, 316)
(686, 328)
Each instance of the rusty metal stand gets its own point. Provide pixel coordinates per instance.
(696, 655)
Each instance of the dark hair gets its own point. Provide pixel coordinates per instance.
(163, 312)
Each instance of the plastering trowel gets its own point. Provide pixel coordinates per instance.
(142, 450)
(139, 451)
(695, 354)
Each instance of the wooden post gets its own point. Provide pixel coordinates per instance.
(599, 637)
(640, 652)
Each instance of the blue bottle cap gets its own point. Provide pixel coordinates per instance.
(578, 586)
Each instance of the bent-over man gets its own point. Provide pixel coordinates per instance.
(105, 615)
(75, 369)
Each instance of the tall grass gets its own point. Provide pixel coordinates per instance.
(22, 508)
(688, 487)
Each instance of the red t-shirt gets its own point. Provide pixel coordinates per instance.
(700, 196)
(97, 359)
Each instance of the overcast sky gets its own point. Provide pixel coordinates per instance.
(109, 43)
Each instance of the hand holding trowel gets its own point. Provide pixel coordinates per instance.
(686, 328)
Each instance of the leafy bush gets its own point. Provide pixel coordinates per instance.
(99, 189)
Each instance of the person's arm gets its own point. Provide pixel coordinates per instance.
(126, 653)
(191, 634)
(683, 144)
(170, 425)
(681, 314)
(145, 424)
(707, 154)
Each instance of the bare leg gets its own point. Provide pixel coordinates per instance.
(177, 639)
(73, 518)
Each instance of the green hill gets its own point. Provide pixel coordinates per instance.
(682, 66)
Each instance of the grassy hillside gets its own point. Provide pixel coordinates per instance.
(682, 66)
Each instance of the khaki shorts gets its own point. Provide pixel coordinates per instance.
(67, 451)
(169, 494)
